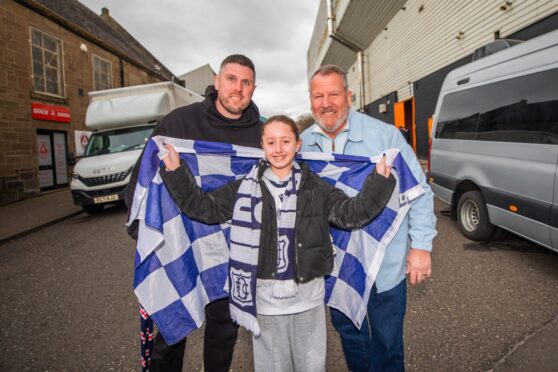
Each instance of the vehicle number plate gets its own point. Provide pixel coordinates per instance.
(104, 199)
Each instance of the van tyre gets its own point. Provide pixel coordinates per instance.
(472, 217)
(93, 209)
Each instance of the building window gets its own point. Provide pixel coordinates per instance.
(102, 73)
(48, 76)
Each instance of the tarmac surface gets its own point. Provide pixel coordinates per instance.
(538, 351)
(26, 216)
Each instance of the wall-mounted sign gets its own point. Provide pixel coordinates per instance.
(44, 149)
(46, 176)
(41, 111)
(81, 139)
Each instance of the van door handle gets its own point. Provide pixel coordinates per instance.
(463, 81)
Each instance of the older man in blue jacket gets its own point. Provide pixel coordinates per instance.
(378, 345)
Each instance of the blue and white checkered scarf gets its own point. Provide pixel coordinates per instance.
(182, 265)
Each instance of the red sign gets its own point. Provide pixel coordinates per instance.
(51, 113)
(84, 140)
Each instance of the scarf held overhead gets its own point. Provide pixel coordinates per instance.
(182, 265)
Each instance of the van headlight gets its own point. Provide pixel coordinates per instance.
(75, 175)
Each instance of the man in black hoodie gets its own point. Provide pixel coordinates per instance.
(226, 115)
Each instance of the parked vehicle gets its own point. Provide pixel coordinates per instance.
(123, 119)
(494, 148)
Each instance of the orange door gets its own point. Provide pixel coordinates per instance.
(404, 119)
(399, 114)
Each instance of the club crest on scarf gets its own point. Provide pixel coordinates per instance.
(282, 254)
(240, 288)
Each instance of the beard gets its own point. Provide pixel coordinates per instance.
(338, 123)
(235, 110)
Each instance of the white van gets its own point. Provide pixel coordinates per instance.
(494, 149)
(123, 119)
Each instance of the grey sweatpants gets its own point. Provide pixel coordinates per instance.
(295, 342)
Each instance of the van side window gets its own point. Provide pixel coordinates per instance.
(458, 120)
(522, 109)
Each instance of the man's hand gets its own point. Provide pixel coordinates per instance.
(419, 265)
(171, 160)
(382, 168)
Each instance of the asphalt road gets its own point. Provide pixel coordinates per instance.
(67, 302)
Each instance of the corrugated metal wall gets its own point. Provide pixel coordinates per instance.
(353, 77)
(417, 42)
(321, 44)
(317, 48)
(353, 23)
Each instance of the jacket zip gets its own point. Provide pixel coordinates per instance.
(266, 190)
(302, 180)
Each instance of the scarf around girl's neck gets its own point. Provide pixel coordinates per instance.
(245, 242)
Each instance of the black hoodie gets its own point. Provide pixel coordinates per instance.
(202, 121)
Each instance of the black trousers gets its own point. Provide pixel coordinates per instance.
(218, 343)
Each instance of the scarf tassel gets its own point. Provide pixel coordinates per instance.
(284, 288)
(245, 320)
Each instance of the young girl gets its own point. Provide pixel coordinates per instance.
(280, 247)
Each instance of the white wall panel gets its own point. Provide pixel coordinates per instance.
(416, 44)
(353, 78)
(354, 23)
(318, 46)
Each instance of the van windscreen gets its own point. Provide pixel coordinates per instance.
(118, 140)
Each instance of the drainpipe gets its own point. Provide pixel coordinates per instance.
(355, 48)
(121, 72)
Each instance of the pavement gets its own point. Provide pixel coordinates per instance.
(536, 352)
(25, 216)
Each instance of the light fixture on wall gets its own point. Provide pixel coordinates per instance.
(83, 47)
(382, 108)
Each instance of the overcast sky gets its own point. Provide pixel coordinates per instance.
(186, 34)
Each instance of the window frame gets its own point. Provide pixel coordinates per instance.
(101, 59)
(61, 78)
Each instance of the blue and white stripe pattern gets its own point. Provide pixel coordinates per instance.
(181, 265)
(245, 242)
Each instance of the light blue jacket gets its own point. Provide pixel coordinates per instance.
(366, 136)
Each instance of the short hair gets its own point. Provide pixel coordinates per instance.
(332, 69)
(239, 59)
(281, 119)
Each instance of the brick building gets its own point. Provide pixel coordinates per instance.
(53, 53)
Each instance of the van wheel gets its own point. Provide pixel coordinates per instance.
(472, 217)
(93, 209)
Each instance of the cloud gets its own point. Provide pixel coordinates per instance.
(187, 34)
